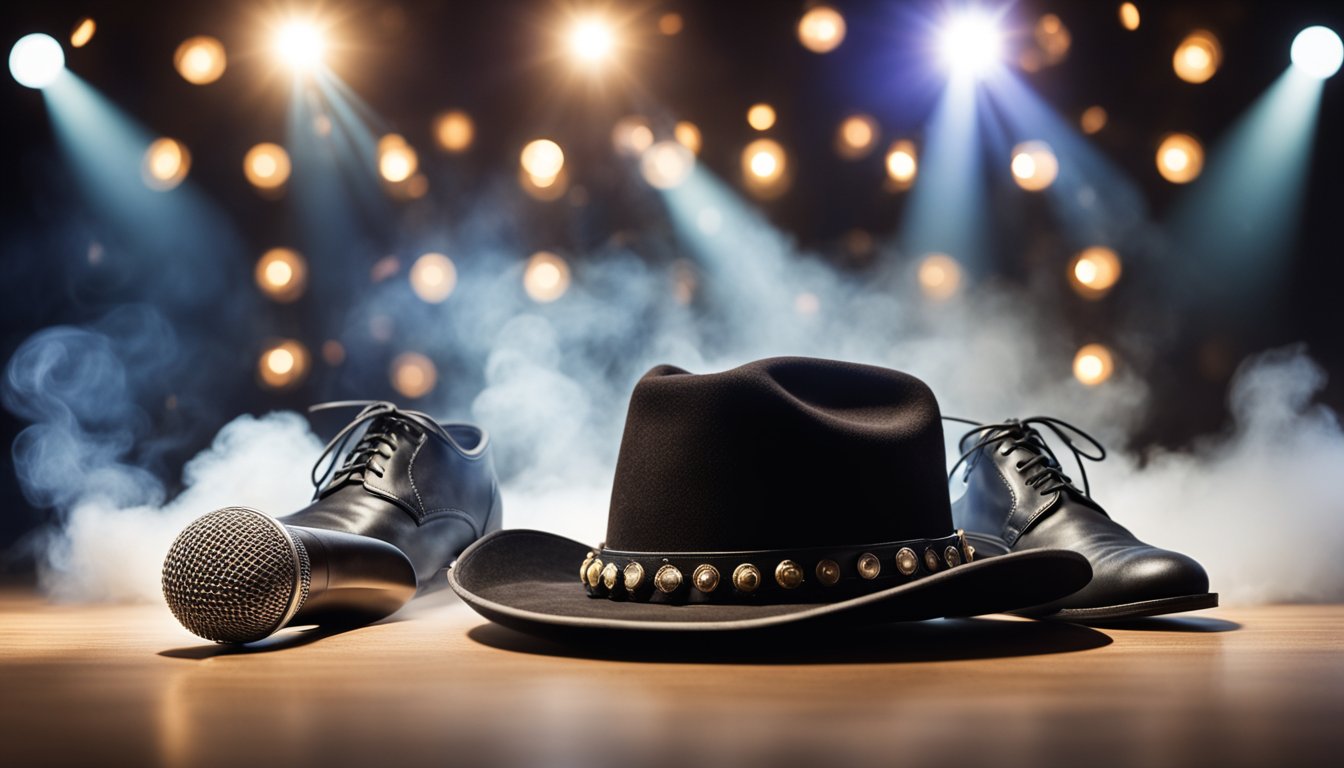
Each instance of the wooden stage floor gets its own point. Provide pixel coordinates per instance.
(125, 685)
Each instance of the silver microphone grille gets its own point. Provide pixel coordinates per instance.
(235, 575)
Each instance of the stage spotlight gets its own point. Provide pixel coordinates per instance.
(939, 276)
(631, 135)
(761, 117)
(666, 164)
(1094, 272)
(283, 364)
(433, 277)
(266, 166)
(1129, 16)
(200, 60)
(1180, 158)
(689, 136)
(971, 44)
(1034, 165)
(281, 274)
(166, 164)
(821, 29)
(454, 131)
(1318, 52)
(546, 277)
(413, 375)
(397, 161)
(670, 24)
(300, 45)
(1093, 120)
(902, 164)
(1093, 364)
(83, 32)
(36, 60)
(591, 40)
(763, 166)
(856, 137)
(1197, 57)
(542, 160)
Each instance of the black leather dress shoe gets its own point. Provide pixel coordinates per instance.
(407, 499)
(1017, 498)
(426, 488)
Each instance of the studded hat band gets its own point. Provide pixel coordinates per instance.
(815, 575)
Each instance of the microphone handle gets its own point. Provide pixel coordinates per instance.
(355, 579)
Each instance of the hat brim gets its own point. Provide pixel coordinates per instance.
(527, 580)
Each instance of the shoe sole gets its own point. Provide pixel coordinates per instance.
(1123, 611)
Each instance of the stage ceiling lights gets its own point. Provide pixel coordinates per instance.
(1317, 51)
(300, 45)
(591, 41)
(36, 60)
(821, 29)
(970, 44)
(200, 60)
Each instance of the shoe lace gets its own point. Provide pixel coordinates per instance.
(1042, 468)
(372, 445)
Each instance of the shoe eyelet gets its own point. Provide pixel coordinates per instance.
(1018, 465)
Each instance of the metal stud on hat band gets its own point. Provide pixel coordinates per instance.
(840, 572)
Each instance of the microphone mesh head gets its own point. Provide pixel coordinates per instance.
(235, 575)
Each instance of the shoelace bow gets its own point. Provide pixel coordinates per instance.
(371, 446)
(1043, 464)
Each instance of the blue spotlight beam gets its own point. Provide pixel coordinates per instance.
(178, 242)
(946, 212)
(1235, 228)
(338, 195)
(1094, 201)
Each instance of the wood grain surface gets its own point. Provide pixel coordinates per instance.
(436, 684)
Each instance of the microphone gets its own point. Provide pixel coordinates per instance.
(236, 575)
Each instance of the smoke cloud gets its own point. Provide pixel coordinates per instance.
(550, 382)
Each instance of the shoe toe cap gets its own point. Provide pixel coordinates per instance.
(1148, 573)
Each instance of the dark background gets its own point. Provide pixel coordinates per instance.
(414, 59)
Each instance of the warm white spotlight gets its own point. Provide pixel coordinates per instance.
(591, 40)
(971, 44)
(283, 364)
(666, 164)
(1094, 271)
(281, 274)
(1034, 165)
(1180, 158)
(939, 276)
(300, 45)
(761, 117)
(200, 60)
(266, 166)
(546, 277)
(397, 161)
(1316, 51)
(821, 29)
(542, 159)
(1093, 364)
(165, 164)
(83, 32)
(413, 375)
(433, 278)
(36, 60)
(454, 131)
(902, 164)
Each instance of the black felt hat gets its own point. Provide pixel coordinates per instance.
(785, 491)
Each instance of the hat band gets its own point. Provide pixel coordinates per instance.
(813, 575)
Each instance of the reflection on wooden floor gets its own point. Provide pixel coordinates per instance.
(436, 684)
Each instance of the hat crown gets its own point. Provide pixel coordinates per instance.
(780, 453)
